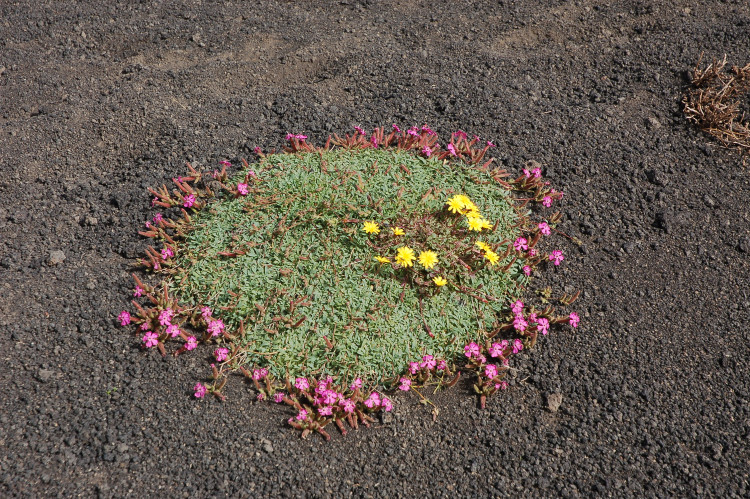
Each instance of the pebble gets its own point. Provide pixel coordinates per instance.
(56, 257)
(554, 400)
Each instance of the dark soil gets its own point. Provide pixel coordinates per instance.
(99, 100)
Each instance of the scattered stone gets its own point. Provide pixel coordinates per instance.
(56, 257)
(554, 400)
(744, 244)
(267, 445)
(653, 123)
(44, 375)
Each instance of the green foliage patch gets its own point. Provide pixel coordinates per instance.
(290, 267)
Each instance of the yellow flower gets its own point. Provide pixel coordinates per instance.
(492, 257)
(483, 246)
(439, 281)
(471, 207)
(405, 256)
(478, 223)
(371, 228)
(398, 231)
(428, 259)
(455, 206)
(380, 259)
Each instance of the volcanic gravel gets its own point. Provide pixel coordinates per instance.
(649, 397)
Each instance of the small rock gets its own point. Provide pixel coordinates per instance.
(653, 123)
(710, 202)
(267, 445)
(91, 220)
(44, 375)
(554, 400)
(744, 245)
(386, 417)
(56, 257)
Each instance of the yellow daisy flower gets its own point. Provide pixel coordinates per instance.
(405, 256)
(486, 224)
(398, 231)
(475, 223)
(492, 257)
(455, 206)
(483, 246)
(428, 259)
(381, 259)
(371, 228)
(439, 281)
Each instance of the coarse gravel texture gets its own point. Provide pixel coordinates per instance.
(650, 397)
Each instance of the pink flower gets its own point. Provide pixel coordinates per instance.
(517, 345)
(138, 291)
(496, 350)
(573, 318)
(191, 343)
(521, 244)
(359, 130)
(167, 253)
(547, 201)
(215, 327)
(526, 173)
(258, 374)
(405, 384)
(413, 132)
(297, 136)
(503, 385)
(225, 163)
(144, 326)
(373, 400)
(396, 128)
(205, 313)
(356, 384)
(325, 410)
(258, 150)
(490, 144)
(260, 397)
(543, 326)
(537, 172)
(221, 354)
(150, 339)
(173, 331)
(165, 316)
(490, 370)
(427, 151)
(348, 405)
(387, 404)
(156, 266)
(471, 349)
(532, 317)
(200, 390)
(517, 307)
(460, 134)
(124, 318)
(428, 130)
(302, 415)
(158, 218)
(557, 257)
(428, 362)
(242, 189)
(278, 397)
(452, 150)
(442, 365)
(413, 367)
(374, 141)
(330, 397)
(154, 201)
(301, 384)
(544, 229)
(189, 201)
(527, 270)
(520, 323)
(532, 252)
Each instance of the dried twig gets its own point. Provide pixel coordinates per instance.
(713, 103)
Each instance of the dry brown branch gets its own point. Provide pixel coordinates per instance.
(713, 103)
